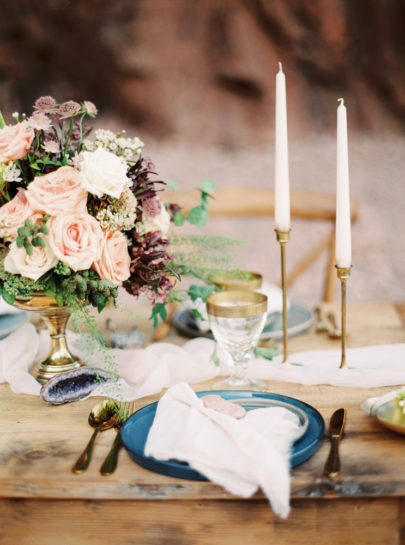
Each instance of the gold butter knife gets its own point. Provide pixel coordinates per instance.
(337, 423)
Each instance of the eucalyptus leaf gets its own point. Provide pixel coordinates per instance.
(172, 184)
(198, 216)
(208, 186)
(179, 219)
(196, 291)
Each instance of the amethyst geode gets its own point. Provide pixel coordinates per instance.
(73, 385)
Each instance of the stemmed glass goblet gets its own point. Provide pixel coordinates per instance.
(237, 319)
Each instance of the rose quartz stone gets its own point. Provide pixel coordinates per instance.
(217, 403)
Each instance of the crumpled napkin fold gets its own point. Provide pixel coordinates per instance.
(240, 455)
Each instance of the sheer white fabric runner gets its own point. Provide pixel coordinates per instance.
(161, 365)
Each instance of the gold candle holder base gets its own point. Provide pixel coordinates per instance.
(283, 237)
(343, 274)
(59, 359)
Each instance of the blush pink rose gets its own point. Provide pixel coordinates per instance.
(114, 261)
(13, 214)
(57, 191)
(75, 239)
(15, 141)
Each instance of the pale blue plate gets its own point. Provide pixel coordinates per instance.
(299, 319)
(10, 322)
(135, 431)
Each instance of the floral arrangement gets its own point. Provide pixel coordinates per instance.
(79, 216)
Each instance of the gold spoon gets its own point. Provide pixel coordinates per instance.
(102, 417)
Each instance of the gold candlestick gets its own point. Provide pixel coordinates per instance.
(283, 237)
(343, 274)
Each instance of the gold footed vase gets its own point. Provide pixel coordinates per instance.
(59, 359)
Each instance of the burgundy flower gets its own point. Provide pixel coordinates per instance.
(148, 267)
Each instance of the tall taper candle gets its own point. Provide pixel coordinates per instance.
(343, 235)
(282, 184)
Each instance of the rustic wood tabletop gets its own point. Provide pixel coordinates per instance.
(42, 501)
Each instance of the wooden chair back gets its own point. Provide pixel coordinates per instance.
(245, 202)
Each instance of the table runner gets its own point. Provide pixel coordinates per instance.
(147, 371)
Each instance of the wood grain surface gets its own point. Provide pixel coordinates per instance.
(40, 497)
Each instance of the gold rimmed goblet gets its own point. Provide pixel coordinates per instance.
(237, 319)
(237, 280)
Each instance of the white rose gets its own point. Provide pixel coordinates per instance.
(103, 173)
(160, 222)
(33, 266)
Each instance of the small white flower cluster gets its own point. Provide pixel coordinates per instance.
(10, 172)
(119, 214)
(125, 148)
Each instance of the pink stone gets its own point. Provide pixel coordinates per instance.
(217, 403)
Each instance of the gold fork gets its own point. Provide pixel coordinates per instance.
(110, 463)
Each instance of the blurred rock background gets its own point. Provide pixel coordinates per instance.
(195, 80)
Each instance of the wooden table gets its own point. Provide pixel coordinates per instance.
(42, 502)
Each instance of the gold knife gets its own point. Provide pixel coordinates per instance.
(337, 423)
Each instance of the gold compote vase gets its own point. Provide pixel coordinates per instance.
(59, 359)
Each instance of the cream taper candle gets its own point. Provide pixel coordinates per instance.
(343, 234)
(282, 184)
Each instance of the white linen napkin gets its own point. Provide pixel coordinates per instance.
(371, 404)
(17, 355)
(240, 455)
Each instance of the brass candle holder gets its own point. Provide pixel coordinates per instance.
(283, 237)
(343, 274)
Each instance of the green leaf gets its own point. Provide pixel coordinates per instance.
(172, 184)
(102, 304)
(208, 186)
(266, 353)
(198, 216)
(50, 292)
(173, 272)
(179, 219)
(195, 291)
(198, 315)
(175, 297)
(159, 310)
(59, 299)
(8, 297)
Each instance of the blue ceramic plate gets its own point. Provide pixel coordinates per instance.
(299, 319)
(10, 322)
(135, 431)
